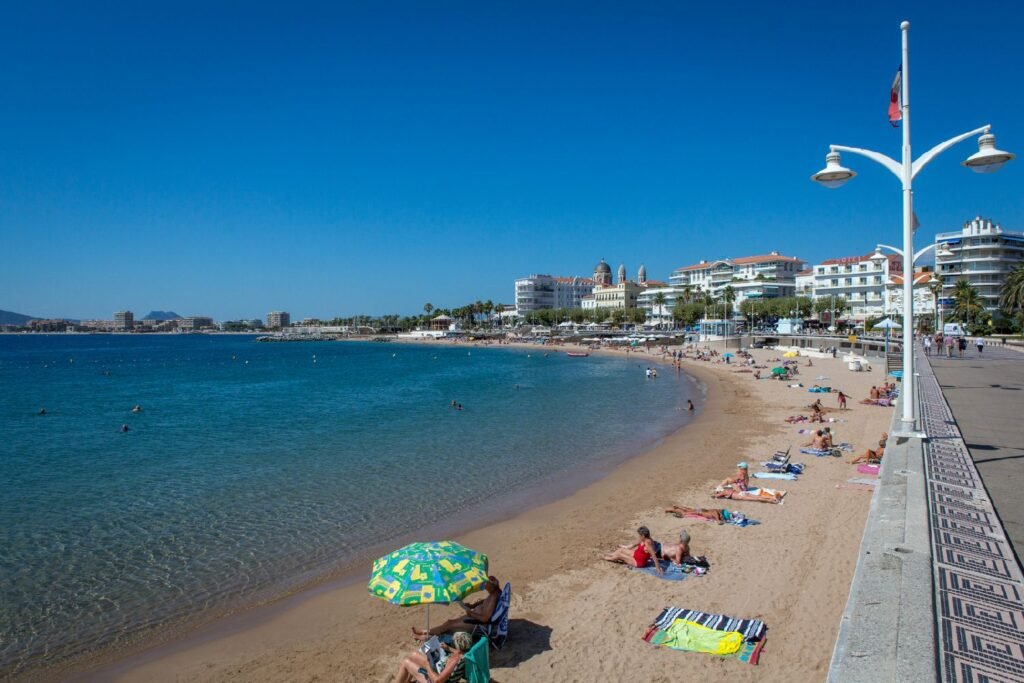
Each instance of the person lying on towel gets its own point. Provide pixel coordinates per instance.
(759, 495)
(720, 515)
(641, 554)
(479, 611)
(872, 456)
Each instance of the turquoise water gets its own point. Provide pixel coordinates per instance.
(254, 466)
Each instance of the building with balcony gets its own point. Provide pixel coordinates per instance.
(983, 253)
(124, 321)
(804, 282)
(765, 276)
(860, 280)
(194, 323)
(540, 292)
(924, 298)
(277, 320)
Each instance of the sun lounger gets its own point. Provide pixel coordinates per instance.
(496, 630)
(781, 458)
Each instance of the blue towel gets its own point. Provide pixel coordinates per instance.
(820, 453)
(672, 572)
(741, 520)
(788, 476)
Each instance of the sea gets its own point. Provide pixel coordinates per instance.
(253, 469)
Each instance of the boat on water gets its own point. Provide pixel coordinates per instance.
(577, 354)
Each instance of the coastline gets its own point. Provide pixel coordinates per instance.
(291, 591)
(549, 553)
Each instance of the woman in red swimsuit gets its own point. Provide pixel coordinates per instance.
(643, 553)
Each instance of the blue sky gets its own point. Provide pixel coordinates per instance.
(332, 158)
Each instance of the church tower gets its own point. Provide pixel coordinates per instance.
(622, 273)
(641, 275)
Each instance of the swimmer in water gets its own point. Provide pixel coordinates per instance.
(453, 404)
(42, 411)
(124, 428)
(137, 408)
(689, 405)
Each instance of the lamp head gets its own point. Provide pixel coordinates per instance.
(987, 159)
(878, 256)
(834, 174)
(943, 251)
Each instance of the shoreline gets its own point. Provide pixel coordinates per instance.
(327, 627)
(290, 592)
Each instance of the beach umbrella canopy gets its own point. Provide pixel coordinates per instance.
(887, 324)
(790, 354)
(779, 371)
(424, 573)
(727, 355)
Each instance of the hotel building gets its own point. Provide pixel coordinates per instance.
(194, 323)
(861, 280)
(278, 319)
(981, 253)
(765, 276)
(924, 299)
(540, 292)
(124, 321)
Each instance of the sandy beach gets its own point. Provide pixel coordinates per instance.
(575, 617)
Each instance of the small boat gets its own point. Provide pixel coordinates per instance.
(577, 354)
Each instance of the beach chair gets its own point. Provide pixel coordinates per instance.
(495, 630)
(478, 663)
(781, 458)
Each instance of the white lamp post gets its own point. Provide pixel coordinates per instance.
(986, 160)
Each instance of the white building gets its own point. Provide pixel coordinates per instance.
(924, 300)
(765, 276)
(861, 280)
(804, 282)
(278, 319)
(124, 321)
(539, 292)
(983, 254)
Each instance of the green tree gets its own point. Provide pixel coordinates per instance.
(659, 302)
(967, 303)
(1011, 296)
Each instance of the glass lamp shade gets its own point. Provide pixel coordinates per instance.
(987, 159)
(834, 174)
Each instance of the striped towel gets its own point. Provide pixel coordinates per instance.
(752, 629)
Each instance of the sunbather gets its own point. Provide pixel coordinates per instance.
(415, 666)
(677, 553)
(760, 495)
(818, 441)
(738, 481)
(714, 514)
(872, 456)
(479, 611)
(641, 554)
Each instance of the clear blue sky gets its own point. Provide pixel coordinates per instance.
(333, 158)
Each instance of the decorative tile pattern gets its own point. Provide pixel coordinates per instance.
(979, 588)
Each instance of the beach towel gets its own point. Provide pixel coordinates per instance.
(741, 520)
(821, 452)
(868, 469)
(690, 636)
(752, 629)
(792, 467)
(788, 476)
(672, 572)
(750, 651)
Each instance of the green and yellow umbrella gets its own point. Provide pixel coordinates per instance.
(425, 573)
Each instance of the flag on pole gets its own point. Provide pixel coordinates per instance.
(896, 99)
(915, 224)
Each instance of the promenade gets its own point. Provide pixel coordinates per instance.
(986, 394)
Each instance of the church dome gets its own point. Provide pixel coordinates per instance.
(642, 274)
(603, 267)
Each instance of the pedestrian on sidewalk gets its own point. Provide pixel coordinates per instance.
(961, 345)
(927, 344)
(981, 344)
(949, 346)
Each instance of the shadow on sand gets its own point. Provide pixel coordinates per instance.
(525, 640)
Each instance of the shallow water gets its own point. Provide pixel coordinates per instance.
(253, 464)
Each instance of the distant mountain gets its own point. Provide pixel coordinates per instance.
(9, 318)
(162, 315)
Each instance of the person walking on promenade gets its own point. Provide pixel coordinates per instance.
(961, 345)
(927, 341)
(949, 347)
(980, 344)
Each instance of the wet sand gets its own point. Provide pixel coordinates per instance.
(575, 617)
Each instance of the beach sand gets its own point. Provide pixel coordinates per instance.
(577, 618)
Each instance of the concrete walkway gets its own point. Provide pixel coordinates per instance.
(986, 394)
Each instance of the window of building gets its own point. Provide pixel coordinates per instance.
(835, 282)
(849, 280)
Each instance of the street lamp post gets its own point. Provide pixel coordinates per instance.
(986, 160)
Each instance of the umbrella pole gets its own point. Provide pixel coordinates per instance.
(428, 618)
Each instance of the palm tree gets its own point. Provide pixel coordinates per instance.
(1011, 296)
(659, 302)
(728, 296)
(488, 309)
(687, 293)
(967, 302)
(935, 286)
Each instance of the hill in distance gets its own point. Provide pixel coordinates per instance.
(162, 315)
(11, 318)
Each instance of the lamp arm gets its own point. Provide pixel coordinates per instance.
(938, 149)
(891, 248)
(924, 250)
(894, 166)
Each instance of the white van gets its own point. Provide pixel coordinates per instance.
(954, 330)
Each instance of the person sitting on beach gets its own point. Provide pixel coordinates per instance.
(719, 515)
(416, 667)
(872, 456)
(479, 611)
(827, 437)
(643, 553)
(738, 481)
(676, 553)
(873, 394)
(817, 442)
